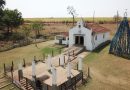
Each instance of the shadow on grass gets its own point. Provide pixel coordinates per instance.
(101, 47)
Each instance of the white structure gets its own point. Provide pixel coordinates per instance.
(54, 75)
(62, 39)
(80, 66)
(90, 35)
(68, 70)
(49, 62)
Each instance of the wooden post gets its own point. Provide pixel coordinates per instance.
(77, 66)
(82, 77)
(26, 84)
(52, 53)
(75, 82)
(65, 86)
(64, 59)
(89, 73)
(12, 76)
(24, 64)
(59, 61)
(47, 87)
(4, 70)
(73, 52)
(19, 75)
(12, 66)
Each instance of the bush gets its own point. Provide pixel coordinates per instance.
(17, 36)
(1, 36)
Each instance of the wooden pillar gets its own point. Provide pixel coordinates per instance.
(52, 53)
(77, 66)
(12, 76)
(47, 87)
(26, 84)
(4, 69)
(59, 61)
(64, 59)
(24, 64)
(89, 73)
(65, 86)
(75, 82)
(82, 77)
(12, 67)
(73, 52)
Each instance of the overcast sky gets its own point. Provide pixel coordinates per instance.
(58, 8)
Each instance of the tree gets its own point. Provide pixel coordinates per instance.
(2, 3)
(12, 19)
(117, 18)
(37, 27)
(72, 11)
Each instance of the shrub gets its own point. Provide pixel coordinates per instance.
(17, 36)
(1, 36)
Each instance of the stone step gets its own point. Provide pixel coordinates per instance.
(23, 83)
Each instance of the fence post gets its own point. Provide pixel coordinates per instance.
(4, 70)
(24, 64)
(59, 61)
(89, 73)
(73, 52)
(64, 59)
(12, 76)
(75, 82)
(26, 84)
(12, 65)
(77, 66)
(82, 77)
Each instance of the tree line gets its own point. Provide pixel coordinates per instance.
(9, 19)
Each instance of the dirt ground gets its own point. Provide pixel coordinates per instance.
(108, 72)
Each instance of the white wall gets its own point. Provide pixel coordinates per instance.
(89, 41)
(100, 39)
(64, 42)
(86, 33)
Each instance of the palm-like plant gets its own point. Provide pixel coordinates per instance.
(2, 3)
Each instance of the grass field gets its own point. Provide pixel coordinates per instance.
(108, 72)
(27, 52)
(69, 19)
(108, 19)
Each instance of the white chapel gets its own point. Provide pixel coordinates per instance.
(88, 35)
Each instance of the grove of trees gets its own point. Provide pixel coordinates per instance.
(9, 19)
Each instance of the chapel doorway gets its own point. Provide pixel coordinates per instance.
(79, 40)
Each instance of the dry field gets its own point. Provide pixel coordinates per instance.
(27, 52)
(108, 72)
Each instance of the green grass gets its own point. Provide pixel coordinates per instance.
(49, 50)
(108, 71)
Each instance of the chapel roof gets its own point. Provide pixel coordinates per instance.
(96, 28)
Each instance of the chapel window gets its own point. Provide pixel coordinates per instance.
(103, 35)
(96, 37)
